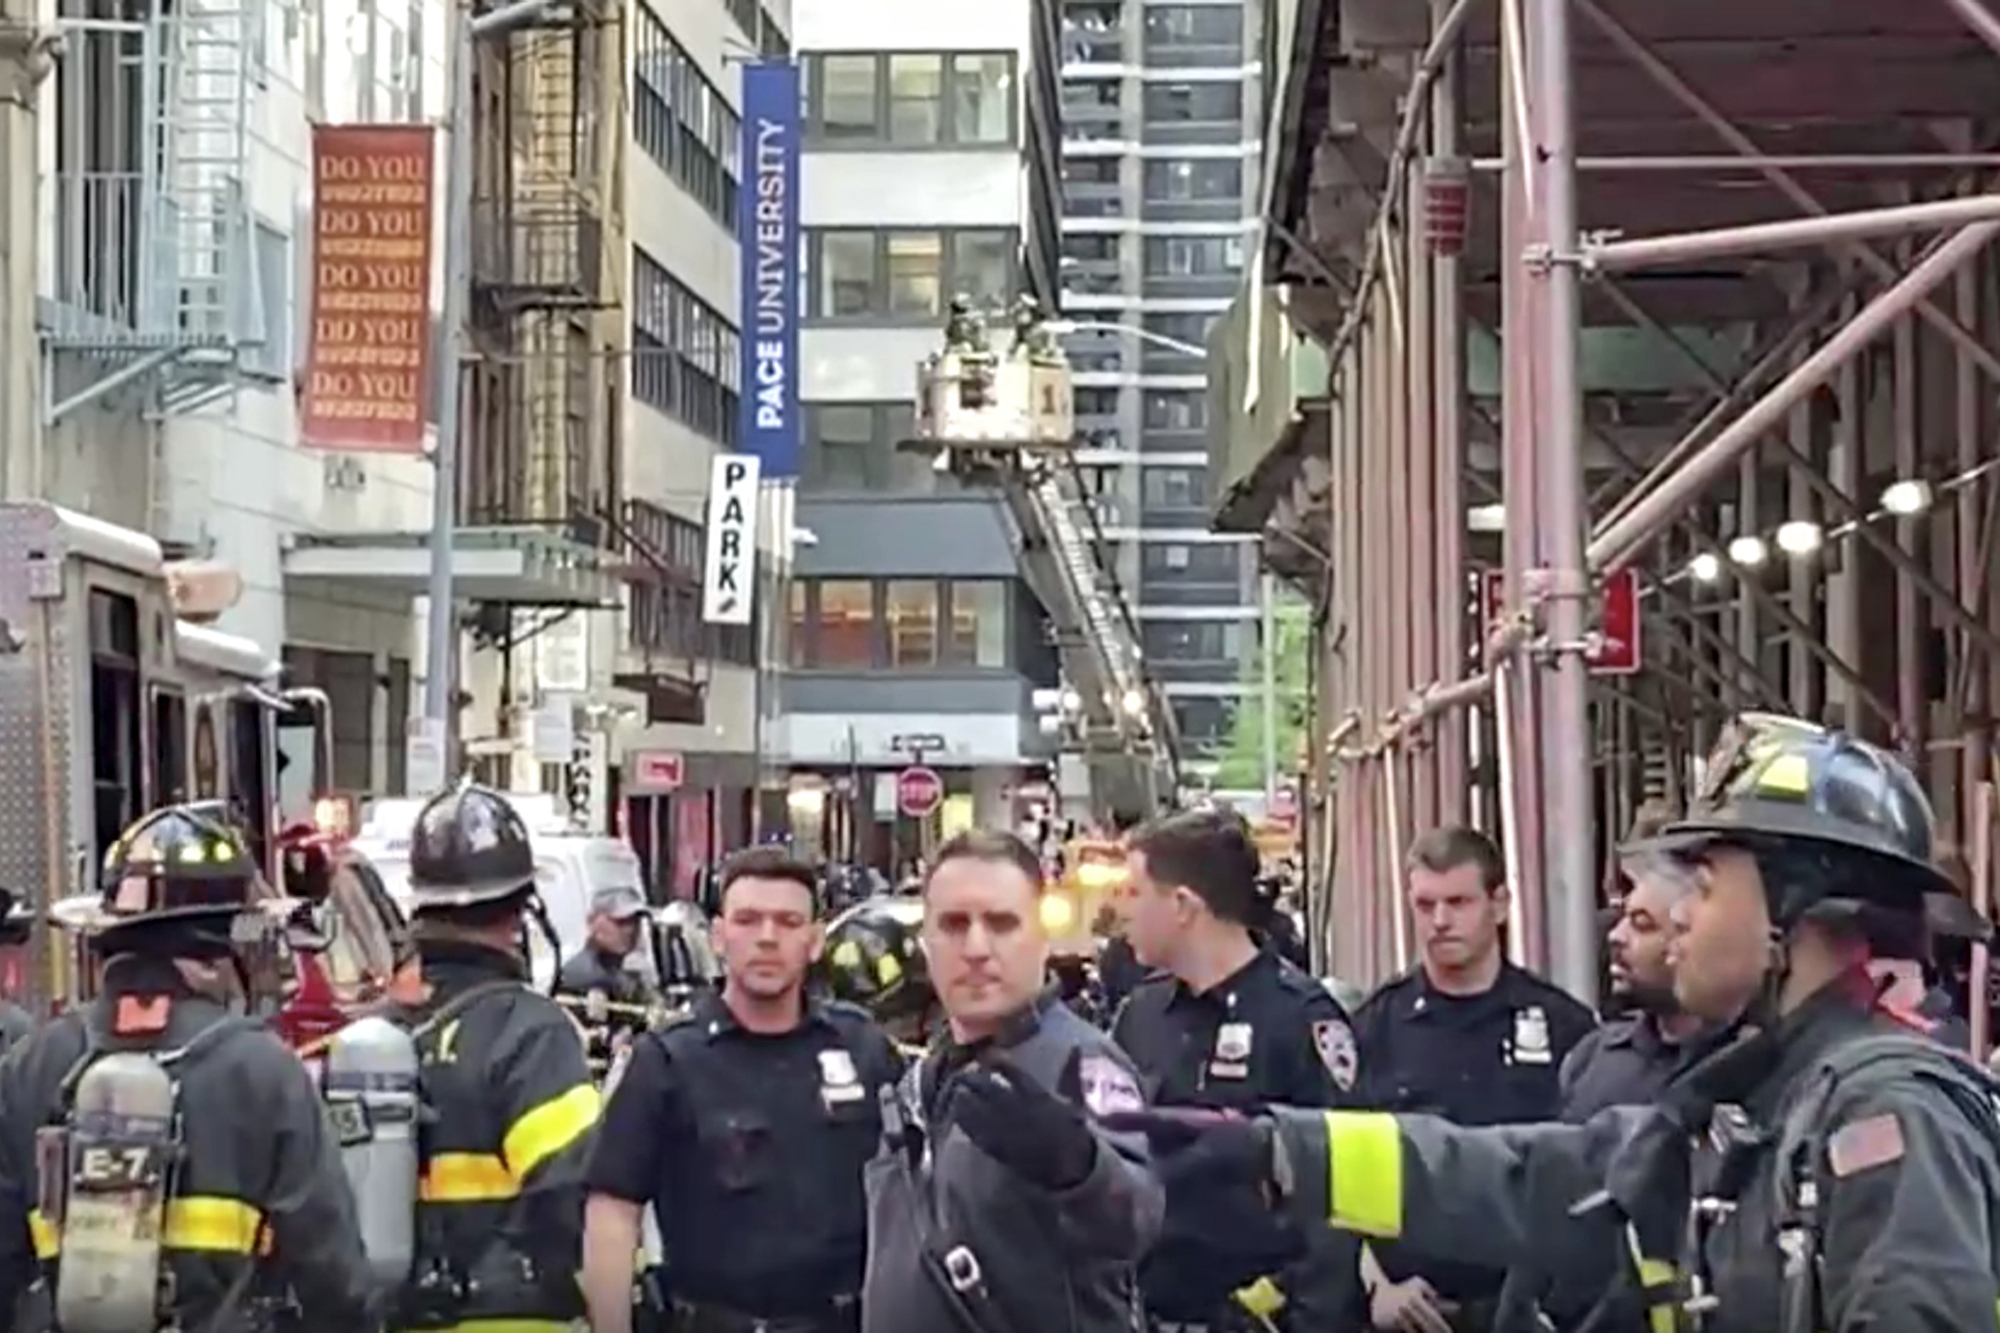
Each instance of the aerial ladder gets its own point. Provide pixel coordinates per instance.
(1005, 418)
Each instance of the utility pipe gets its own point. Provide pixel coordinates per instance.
(1616, 542)
(1728, 162)
(1793, 233)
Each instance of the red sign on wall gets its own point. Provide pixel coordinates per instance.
(1614, 617)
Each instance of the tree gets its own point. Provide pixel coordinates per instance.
(1241, 758)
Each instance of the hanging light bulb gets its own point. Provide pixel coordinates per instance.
(1705, 568)
(1748, 551)
(1799, 537)
(1905, 498)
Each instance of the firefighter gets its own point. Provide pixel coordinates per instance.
(1830, 1171)
(17, 925)
(509, 1100)
(198, 1186)
(873, 960)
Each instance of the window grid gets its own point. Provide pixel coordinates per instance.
(901, 624)
(683, 122)
(663, 610)
(975, 102)
(686, 358)
(906, 274)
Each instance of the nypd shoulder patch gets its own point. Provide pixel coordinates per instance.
(1334, 1040)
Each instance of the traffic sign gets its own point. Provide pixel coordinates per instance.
(919, 791)
(1614, 616)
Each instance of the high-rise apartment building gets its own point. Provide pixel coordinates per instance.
(1160, 181)
(930, 171)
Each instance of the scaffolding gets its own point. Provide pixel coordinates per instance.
(1698, 290)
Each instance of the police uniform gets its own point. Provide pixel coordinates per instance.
(1829, 1172)
(1487, 1059)
(221, 1130)
(749, 1147)
(1268, 1035)
(1628, 1062)
(510, 1105)
(999, 1203)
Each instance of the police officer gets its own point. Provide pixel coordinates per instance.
(744, 1126)
(1227, 1023)
(1000, 1203)
(873, 960)
(256, 1212)
(510, 1102)
(1467, 1035)
(17, 925)
(1830, 1171)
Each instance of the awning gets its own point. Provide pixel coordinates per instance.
(522, 566)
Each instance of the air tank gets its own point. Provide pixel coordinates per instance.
(371, 1085)
(120, 1151)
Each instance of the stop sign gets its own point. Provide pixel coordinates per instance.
(919, 791)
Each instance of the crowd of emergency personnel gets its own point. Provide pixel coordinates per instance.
(837, 1107)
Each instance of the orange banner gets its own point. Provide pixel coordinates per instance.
(368, 359)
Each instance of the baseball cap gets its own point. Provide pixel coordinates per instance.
(620, 902)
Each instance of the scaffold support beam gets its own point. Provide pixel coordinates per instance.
(1617, 541)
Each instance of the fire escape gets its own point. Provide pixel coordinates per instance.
(151, 282)
(541, 420)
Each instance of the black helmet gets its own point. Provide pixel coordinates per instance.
(469, 847)
(1781, 783)
(176, 864)
(873, 958)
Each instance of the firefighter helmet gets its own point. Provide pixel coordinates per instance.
(177, 863)
(873, 958)
(1782, 785)
(469, 847)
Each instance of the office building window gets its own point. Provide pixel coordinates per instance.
(1193, 256)
(978, 624)
(1182, 327)
(844, 628)
(911, 609)
(682, 121)
(906, 275)
(1192, 640)
(1193, 180)
(1194, 103)
(1205, 562)
(1096, 402)
(1089, 171)
(1168, 26)
(1174, 409)
(853, 447)
(1204, 724)
(916, 99)
(1173, 487)
(910, 99)
(686, 358)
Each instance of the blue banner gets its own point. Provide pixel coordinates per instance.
(772, 251)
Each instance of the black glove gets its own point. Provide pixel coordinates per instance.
(1199, 1148)
(1027, 1128)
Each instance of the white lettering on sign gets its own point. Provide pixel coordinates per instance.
(729, 568)
(775, 265)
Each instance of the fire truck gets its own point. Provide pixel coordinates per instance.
(117, 698)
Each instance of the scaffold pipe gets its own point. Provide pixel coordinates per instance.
(1986, 810)
(1510, 823)
(1392, 823)
(1791, 234)
(1618, 540)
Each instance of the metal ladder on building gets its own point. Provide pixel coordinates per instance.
(203, 296)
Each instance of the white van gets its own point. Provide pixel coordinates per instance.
(570, 868)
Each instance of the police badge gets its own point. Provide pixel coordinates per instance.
(1334, 1041)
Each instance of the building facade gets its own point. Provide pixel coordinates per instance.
(930, 171)
(1160, 165)
(603, 377)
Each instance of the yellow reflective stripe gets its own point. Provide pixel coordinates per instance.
(549, 1128)
(467, 1177)
(1655, 1276)
(205, 1222)
(1261, 1298)
(1364, 1165)
(43, 1233)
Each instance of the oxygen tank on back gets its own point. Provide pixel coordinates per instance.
(373, 1098)
(113, 1179)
